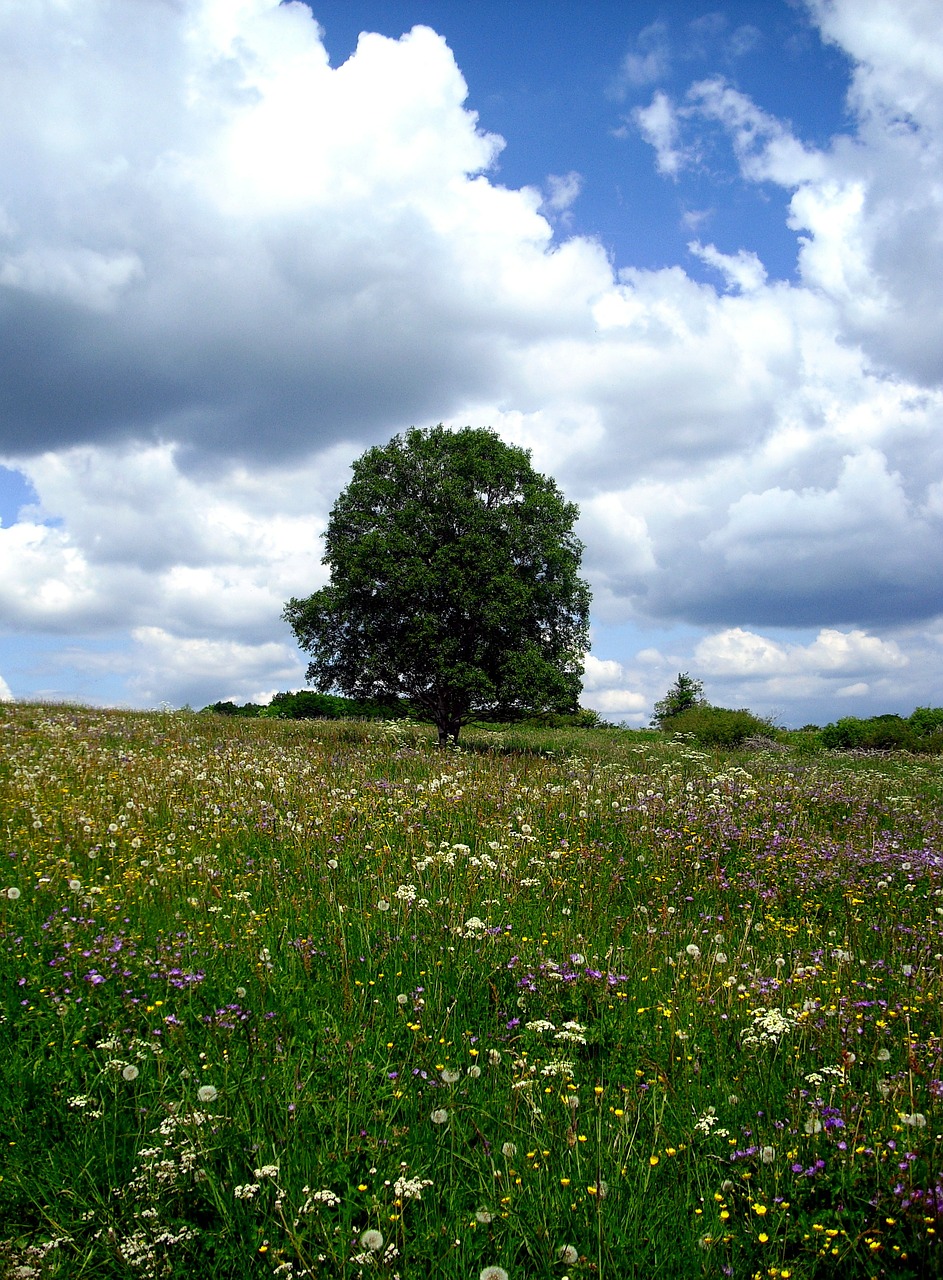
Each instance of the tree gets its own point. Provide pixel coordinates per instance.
(454, 583)
(686, 692)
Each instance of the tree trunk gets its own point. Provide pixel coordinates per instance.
(448, 727)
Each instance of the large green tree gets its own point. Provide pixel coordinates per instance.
(454, 583)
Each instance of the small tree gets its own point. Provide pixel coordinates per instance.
(454, 583)
(685, 693)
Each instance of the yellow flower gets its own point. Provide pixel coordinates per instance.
(759, 1209)
(653, 1160)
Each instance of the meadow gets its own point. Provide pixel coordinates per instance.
(316, 999)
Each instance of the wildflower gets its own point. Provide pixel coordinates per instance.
(720, 958)
(568, 1254)
(13, 893)
(494, 1273)
(509, 1150)
(130, 1072)
(767, 1154)
(483, 1216)
(207, 1093)
(884, 1055)
(383, 905)
(474, 1072)
(916, 1121)
(449, 1076)
(693, 950)
(75, 885)
(439, 1116)
(372, 1240)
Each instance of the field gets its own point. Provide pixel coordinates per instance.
(312, 999)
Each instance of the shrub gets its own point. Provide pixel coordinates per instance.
(877, 733)
(926, 721)
(720, 726)
(234, 709)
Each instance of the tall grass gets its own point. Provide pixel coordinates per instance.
(309, 999)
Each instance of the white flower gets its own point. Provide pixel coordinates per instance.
(693, 950)
(13, 893)
(767, 1154)
(75, 885)
(439, 1116)
(130, 1072)
(916, 1121)
(483, 1216)
(449, 1076)
(207, 1093)
(267, 1171)
(383, 905)
(372, 1240)
(568, 1254)
(494, 1273)
(509, 1150)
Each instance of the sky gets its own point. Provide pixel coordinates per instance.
(690, 255)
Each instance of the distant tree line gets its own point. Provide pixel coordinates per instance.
(305, 704)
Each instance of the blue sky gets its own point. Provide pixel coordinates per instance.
(688, 254)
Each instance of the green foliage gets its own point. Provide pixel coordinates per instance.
(922, 731)
(685, 694)
(307, 705)
(454, 583)
(926, 721)
(235, 709)
(719, 726)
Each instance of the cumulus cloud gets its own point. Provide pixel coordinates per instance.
(737, 652)
(226, 267)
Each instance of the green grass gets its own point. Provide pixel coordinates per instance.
(566, 1003)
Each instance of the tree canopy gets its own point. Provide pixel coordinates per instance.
(454, 583)
(685, 693)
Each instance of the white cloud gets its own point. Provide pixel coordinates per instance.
(227, 267)
(647, 63)
(6, 694)
(659, 125)
(563, 190)
(745, 654)
(608, 688)
(742, 270)
(179, 670)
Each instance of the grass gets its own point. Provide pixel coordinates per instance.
(307, 999)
